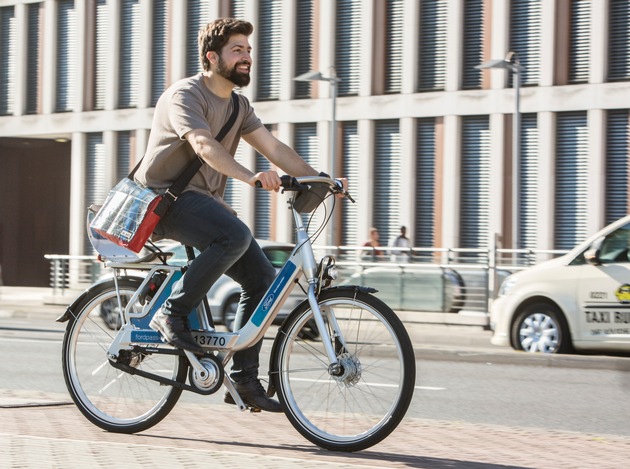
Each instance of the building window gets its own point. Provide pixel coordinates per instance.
(234, 193)
(33, 58)
(237, 9)
(617, 167)
(7, 60)
(432, 60)
(269, 50)
(525, 39)
(473, 45)
(394, 15)
(424, 228)
(387, 176)
(580, 40)
(96, 186)
(198, 16)
(306, 144)
(348, 45)
(262, 200)
(66, 56)
(528, 187)
(619, 41)
(475, 182)
(124, 154)
(350, 164)
(303, 47)
(159, 50)
(129, 71)
(571, 179)
(101, 63)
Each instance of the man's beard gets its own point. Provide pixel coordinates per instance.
(239, 79)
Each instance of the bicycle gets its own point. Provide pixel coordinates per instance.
(345, 388)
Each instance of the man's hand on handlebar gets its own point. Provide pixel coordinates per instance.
(343, 192)
(268, 180)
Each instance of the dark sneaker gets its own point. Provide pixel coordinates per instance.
(254, 396)
(175, 330)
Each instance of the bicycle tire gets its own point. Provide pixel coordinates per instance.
(363, 406)
(110, 398)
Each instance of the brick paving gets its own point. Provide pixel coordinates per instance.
(45, 431)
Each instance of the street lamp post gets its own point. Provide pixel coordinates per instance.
(333, 81)
(513, 64)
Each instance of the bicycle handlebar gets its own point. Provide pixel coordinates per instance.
(297, 184)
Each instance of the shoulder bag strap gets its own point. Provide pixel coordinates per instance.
(187, 174)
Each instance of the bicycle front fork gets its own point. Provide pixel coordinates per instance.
(327, 335)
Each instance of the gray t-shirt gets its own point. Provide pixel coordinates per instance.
(188, 105)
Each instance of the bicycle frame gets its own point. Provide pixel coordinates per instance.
(301, 261)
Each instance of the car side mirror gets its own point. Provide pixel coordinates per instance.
(592, 256)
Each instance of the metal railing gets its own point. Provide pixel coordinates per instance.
(407, 279)
(72, 272)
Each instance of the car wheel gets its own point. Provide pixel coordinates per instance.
(110, 313)
(309, 331)
(458, 287)
(229, 311)
(541, 327)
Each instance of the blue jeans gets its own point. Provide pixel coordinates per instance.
(227, 246)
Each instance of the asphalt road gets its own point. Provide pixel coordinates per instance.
(461, 389)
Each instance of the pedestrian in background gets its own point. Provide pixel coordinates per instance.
(400, 241)
(373, 242)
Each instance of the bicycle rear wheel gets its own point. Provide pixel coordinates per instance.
(110, 398)
(356, 408)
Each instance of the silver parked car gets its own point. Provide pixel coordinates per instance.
(225, 294)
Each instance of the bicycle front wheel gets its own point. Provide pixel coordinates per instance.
(358, 405)
(110, 398)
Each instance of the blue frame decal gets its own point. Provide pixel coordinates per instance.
(266, 305)
(146, 336)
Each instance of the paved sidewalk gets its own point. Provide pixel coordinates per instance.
(45, 430)
(38, 435)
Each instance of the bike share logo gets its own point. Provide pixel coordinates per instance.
(268, 302)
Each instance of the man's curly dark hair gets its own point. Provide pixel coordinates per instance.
(217, 33)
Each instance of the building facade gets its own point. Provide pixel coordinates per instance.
(424, 136)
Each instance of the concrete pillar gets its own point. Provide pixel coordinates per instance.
(547, 175)
(451, 181)
(77, 194)
(500, 191)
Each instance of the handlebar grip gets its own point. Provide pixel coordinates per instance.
(286, 182)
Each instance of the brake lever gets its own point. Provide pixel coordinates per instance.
(340, 190)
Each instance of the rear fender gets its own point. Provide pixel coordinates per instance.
(70, 310)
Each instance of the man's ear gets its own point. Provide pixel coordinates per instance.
(212, 57)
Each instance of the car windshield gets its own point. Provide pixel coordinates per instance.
(615, 247)
(277, 255)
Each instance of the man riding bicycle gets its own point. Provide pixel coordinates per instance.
(187, 118)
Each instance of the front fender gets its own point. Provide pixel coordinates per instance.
(271, 390)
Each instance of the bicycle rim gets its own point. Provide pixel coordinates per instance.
(110, 398)
(368, 400)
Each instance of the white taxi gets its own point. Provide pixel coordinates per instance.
(580, 301)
